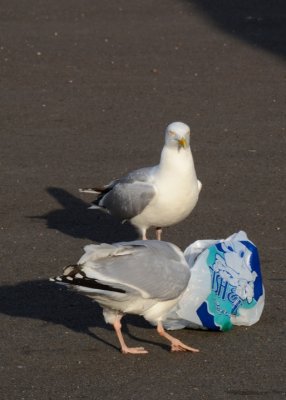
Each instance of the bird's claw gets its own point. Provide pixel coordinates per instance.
(134, 350)
(177, 345)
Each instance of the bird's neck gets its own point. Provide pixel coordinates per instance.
(176, 160)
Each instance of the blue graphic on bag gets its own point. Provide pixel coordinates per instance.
(236, 283)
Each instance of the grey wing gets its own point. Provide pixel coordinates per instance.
(130, 195)
(141, 175)
(155, 271)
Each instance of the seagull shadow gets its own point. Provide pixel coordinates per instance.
(74, 218)
(45, 301)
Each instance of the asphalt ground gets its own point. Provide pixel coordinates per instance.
(87, 89)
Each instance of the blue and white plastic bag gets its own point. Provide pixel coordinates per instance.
(225, 287)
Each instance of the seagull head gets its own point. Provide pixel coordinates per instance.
(177, 135)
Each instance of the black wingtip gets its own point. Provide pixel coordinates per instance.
(82, 280)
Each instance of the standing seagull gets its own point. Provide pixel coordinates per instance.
(141, 277)
(156, 196)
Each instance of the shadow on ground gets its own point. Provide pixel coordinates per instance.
(49, 302)
(74, 218)
(260, 22)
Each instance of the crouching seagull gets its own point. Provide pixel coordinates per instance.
(141, 277)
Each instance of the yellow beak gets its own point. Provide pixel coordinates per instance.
(182, 143)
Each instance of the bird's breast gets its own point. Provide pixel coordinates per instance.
(178, 197)
(174, 200)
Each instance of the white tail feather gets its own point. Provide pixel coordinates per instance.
(88, 191)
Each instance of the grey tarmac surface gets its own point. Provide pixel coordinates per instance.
(87, 89)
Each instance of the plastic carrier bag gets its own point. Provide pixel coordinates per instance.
(225, 287)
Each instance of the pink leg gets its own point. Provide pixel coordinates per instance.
(176, 344)
(125, 349)
(158, 233)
